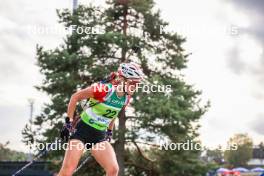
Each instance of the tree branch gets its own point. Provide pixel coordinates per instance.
(141, 153)
(154, 145)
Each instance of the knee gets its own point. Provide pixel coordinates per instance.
(112, 171)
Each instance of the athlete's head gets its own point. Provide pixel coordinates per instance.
(130, 71)
(130, 75)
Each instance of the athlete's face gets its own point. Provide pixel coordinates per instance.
(131, 85)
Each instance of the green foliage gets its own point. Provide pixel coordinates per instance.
(7, 154)
(242, 146)
(86, 58)
(215, 155)
(181, 162)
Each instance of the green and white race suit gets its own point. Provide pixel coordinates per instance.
(100, 114)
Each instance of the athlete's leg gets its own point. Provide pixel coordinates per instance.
(72, 157)
(104, 154)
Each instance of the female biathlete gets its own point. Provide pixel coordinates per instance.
(97, 121)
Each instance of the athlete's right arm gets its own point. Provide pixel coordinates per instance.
(76, 97)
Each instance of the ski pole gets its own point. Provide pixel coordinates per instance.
(36, 158)
(82, 164)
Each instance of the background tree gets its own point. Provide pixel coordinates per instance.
(214, 155)
(86, 58)
(240, 155)
(10, 155)
(261, 145)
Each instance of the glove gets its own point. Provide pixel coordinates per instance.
(66, 130)
(109, 135)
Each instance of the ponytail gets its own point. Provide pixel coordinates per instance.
(111, 78)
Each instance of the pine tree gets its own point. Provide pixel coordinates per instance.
(115, 30)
